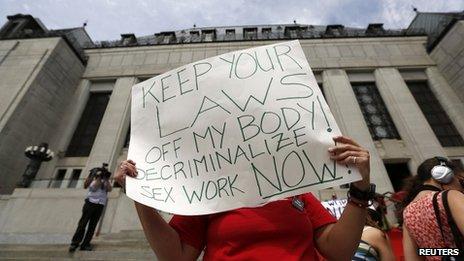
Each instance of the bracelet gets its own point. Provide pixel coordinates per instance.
(363, 195)
(357, 203)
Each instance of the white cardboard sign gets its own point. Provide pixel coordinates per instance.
(235, 130)
(335, 207)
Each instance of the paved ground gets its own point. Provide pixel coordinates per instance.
(127, 245)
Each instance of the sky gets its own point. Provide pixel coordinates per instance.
(108, 19)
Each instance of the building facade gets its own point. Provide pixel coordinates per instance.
(394, 91)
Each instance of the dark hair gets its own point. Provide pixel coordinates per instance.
(374, 219)
(413, 184)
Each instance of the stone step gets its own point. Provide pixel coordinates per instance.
(123, 245)
(114, 250)
(126, 234)
(119, 255)
(113, 254)
(36, 259)
(33, 254)
(126, 245)
(23, 247)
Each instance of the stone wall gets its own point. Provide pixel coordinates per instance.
(44, 215)
(449, 55)
(336, 62)
(38, 77)
(348, 55)
(321, 54)
(47, 216)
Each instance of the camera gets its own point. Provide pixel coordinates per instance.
(101, 172)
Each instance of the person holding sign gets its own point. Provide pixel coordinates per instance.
(291, 229)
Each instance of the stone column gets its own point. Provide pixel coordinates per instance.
(411, 123)
(447, 98)
(114, 125)
(344, 106)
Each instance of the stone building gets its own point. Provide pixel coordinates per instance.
(400, 93)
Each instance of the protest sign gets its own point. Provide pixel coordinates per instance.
(235, 130)
(335, 206)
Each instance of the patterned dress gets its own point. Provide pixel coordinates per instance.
(421, 222)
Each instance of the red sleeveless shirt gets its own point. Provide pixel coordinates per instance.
(275, 231)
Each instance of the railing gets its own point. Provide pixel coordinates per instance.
(63, 183)
(182, 38)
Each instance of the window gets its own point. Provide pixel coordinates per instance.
(397, 172)
(375, 29)
(334, 30)
(375, 112)
(59, 178)
(128, 39)
(87, 128)
(292, 32)
(74, 178)
(166, 37)
(208, 35)
(230, 34)
(441, 124)
(250, 33)
(266, 32)
(195, 36)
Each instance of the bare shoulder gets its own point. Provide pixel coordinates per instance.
(456, 203)
(455, 196)
(373, 234)
(377, 232)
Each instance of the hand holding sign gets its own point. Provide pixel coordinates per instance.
(340, 153)
(236, 130)
(128, 168)
(349, 152)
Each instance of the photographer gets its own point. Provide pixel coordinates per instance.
(98, 184)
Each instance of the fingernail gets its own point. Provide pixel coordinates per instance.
(331, 149)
